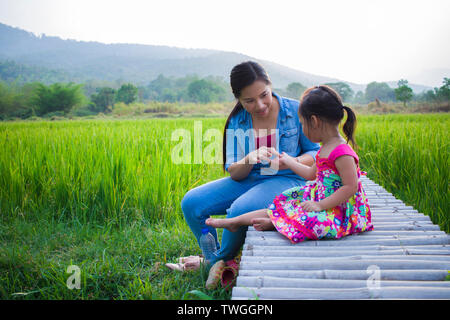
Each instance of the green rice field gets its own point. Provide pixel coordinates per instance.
(104, 195)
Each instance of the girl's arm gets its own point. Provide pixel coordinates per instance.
(305, 159)
(347, 171)
(302, 166)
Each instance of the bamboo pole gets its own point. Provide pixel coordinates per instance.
(393, 274)
(407, 226)
(341, 264)
(403, 218)
(373, 232)
(338, 243)
(299, 259)
(356, 237)
(280, 282)
(343, 253)
(368, 248)
(351, 293)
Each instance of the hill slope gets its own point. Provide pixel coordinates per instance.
(140, 64)
(132, 62)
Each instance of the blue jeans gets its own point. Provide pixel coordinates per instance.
(233, 198)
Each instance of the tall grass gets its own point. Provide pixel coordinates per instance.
(102, 195)
(95, 170)
(409, 156)
(105, 195)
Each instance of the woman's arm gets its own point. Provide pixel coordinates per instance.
(240, 170)
(347, 171)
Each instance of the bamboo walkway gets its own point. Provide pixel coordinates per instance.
(406, 256)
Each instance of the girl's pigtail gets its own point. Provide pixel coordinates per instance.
(350, 126)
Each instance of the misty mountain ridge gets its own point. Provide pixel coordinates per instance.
(81, 61)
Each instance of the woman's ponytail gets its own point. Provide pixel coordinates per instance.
(350, 126)
(238, 107)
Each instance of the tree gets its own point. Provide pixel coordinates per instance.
(127, 93)
(6, 100)
(56, 97)
(103, 100)
(443, 93)
(205, 91)
(403, 93)
(380, 91)
(359, 97)
(294, 90)
(343, 89)
(429, 95)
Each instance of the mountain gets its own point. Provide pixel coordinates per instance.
(432, 77)
(139, 64)
(81, 61)
(417, 88)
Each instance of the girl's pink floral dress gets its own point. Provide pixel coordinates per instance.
(350, 217)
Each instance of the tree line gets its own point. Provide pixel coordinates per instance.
(24, 100)
(380, 91)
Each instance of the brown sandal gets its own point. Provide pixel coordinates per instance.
(215, 274)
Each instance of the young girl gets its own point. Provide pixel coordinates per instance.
(335, 205)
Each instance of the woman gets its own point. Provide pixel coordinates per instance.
(254, 179)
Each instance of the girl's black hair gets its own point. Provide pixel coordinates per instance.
(241, 76)
(325, 103)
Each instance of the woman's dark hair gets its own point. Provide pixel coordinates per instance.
(241, 76)
(325, 103)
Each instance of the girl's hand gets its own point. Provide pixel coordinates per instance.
(287, 160)
(311, 206)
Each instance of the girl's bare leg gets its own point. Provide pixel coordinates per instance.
(263, 224)
(233, 224)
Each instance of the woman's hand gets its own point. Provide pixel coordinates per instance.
(241, 169)
(311, 206)
(260, 154)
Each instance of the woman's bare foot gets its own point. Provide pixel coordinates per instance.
(263, 224)
(228, 224)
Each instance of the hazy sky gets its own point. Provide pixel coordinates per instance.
(358, 41)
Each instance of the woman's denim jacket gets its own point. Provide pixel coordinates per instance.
(289, 137)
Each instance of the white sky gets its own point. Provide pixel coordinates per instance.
(357, 41)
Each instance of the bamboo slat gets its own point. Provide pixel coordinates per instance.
(270, 281)
(392, 274)
(342, 253)
(341, 242)
(341, 293)
(343, 264)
